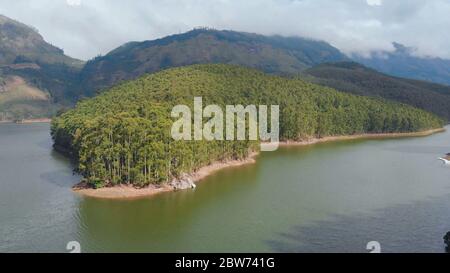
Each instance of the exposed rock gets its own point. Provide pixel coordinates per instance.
(447, 239)
(183, 182)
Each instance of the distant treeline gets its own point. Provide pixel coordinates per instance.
(123, 135)
(360, 80)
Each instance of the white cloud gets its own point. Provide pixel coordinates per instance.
(97, 26)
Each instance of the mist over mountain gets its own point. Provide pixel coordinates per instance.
(403, 63)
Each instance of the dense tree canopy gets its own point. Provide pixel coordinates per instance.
(123, 135)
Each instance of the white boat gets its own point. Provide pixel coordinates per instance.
(446, 161)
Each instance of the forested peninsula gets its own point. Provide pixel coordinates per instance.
(123, 135)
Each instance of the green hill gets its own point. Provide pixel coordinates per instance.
(272, 54)
(357, 79)
(123, 135)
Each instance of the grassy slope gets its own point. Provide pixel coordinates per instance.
(19, 100)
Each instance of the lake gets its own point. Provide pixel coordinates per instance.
(331, 197)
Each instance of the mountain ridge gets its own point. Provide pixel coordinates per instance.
(271, 54)
(45, 67)
(24, 44)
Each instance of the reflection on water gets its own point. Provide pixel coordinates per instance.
(332, 197)
(161, 223)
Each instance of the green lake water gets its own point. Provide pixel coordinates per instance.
(332, 197)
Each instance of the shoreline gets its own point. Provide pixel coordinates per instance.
(130, 192)
(28, 121)
(360, 136)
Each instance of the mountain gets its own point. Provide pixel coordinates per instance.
(274, 54)
(23, 44)
(402, 63)
(123, 135)
(36, 78)
(357, 79)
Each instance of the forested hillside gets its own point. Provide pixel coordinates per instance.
(123, 135)
(357, 79)
(272, 54)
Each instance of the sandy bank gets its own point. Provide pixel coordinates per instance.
(27, 121)
(360, 136)
(38, 120)
(130, 192)
(121, 192)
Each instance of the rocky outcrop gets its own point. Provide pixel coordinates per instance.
(447, 241)
(184, 182)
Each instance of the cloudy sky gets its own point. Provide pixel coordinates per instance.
(86, 28)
